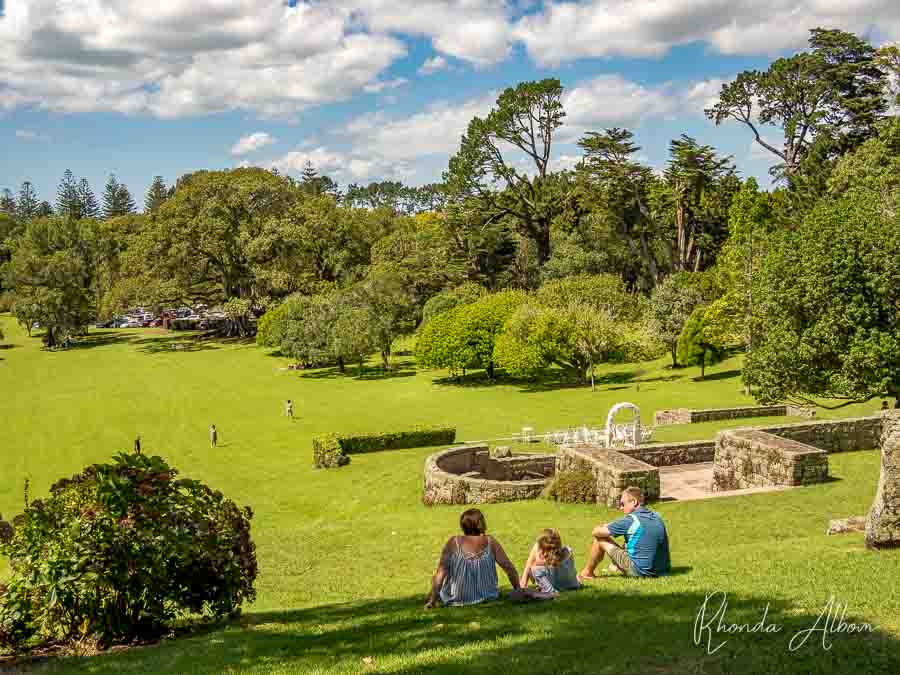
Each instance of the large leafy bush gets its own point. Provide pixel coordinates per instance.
(577, 486)
(118, 551)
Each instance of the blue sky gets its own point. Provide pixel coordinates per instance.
(369, 89)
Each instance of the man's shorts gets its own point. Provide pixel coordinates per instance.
(623, 561)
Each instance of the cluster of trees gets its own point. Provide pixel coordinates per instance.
(684, 259)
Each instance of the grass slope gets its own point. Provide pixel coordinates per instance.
(345, 555)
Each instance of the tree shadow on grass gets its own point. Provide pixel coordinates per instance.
(8, 346)
(176, 343)
(368, 373)
(104, 339)
(724, 375)
(611, 627)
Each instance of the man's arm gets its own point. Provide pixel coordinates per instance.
(505, 563)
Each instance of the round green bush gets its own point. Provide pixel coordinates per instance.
(578, 486)
(120, 550)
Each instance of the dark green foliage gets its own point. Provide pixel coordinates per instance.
(27, 204)
(696, 345)
(156, 195)
(117, 200)
(330, 450)
(118, 551)
(578, 486)
(327, 452)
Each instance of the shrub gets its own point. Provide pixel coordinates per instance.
(327, 452)
(330, 450)
(120, 550)
(578, 486)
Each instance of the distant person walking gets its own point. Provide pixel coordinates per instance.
(137, 445)
(289, 409)
(213, 436)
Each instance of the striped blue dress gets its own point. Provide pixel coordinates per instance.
(471, 577)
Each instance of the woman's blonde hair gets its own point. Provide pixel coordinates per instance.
(550, 546)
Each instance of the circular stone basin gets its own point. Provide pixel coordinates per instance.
(469, 475)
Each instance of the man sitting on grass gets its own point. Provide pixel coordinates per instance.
(646, 552)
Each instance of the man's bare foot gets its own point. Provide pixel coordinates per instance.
(585, 575)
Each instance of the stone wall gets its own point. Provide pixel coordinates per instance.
(673, 454)
(686, 416)
(855, 433)
(883, 521)
(753, 458)
(613, 471)
(469, 475)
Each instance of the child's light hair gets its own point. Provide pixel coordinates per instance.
(550, 546)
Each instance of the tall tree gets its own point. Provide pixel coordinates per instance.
(87, 201)
(222, 235)
(524, 117)
(8, 202)
(702, 184)
(27, 204)
(44, 210)
(156, 195)
(117, 200)
(51, 274)
(835, 89)
(68, 201)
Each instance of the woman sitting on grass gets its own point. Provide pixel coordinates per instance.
(467, 573)
(551, 565)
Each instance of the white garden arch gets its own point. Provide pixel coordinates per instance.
(628, 435)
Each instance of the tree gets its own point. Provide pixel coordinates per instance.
(597, 336)
(156, 195)
(612, 191)
(602, 292)
(312, 183)
(387, 312)
(834, 89)
(8, 203)
(88, 206)
(465, 336)
(702, 185)
(351, 339)
(828, 324)
(27, 202)
(526, 118)
(52, 274)
(671, 304)
(441, 303)
(44, 210)
(888, 59)
(697, 344)
(536, 337)
(68, 202)
(222, 235)
(117, 200)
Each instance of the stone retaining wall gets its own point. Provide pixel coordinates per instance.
(673, 454)
(753, 458)
(686, 416)
(489, 480)
(855, 433)
(613, 471)
(883, 521)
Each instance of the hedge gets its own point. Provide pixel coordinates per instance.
(331, 450)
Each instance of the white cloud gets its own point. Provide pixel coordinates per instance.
(184, 57)
(568, 30)
(382, 85)
(31, 136)
(433, 65)
(251, 143)
(478, 31)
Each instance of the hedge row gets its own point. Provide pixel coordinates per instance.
(331, 450)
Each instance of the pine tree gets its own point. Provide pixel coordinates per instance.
(87, 201)
(309, 173)
(44, 210)
(27, 203)
(68, 202)
(156, 195)
(117, 199)
(125, 200)
(8, 203)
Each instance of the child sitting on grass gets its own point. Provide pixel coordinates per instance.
(551, 565)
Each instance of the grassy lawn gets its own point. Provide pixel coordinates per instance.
(345, 556)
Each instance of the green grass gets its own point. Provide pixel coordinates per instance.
(345, 555)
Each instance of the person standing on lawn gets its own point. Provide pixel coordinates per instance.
(289, 409)
(213, 436)
(646, 552)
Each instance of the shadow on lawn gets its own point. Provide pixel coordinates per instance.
(724, 375)
(104, 339)
(368, 373)
(601, 629)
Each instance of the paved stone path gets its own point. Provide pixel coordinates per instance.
(693, 481)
